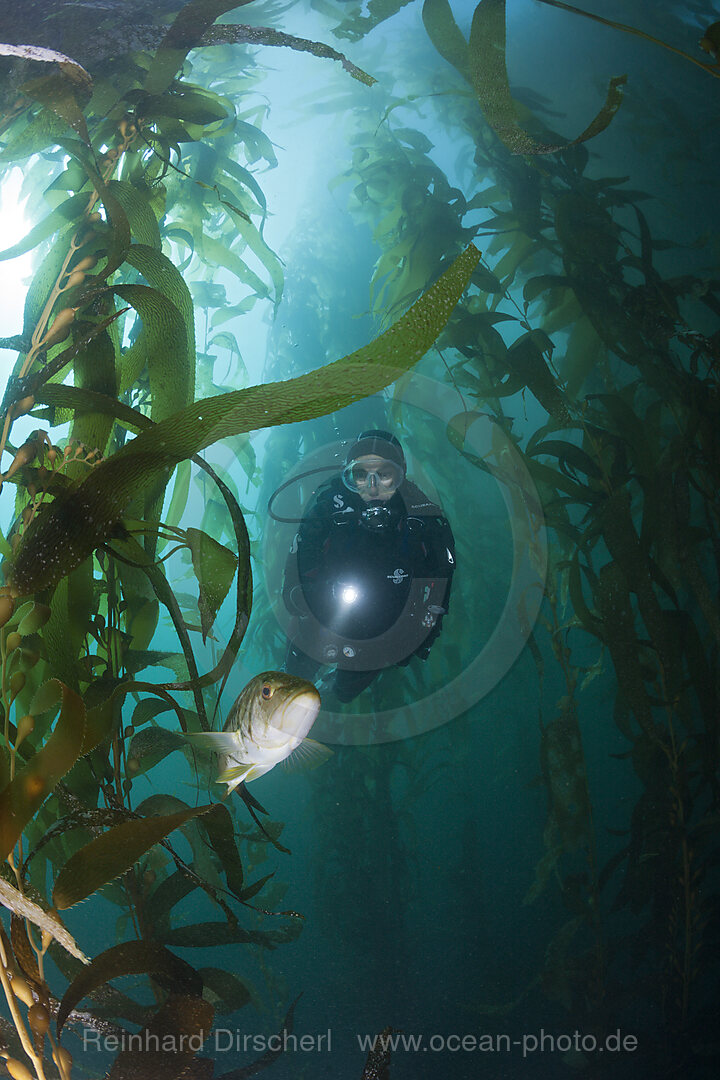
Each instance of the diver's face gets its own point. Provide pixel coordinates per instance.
(375, 478)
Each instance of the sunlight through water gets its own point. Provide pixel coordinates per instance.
(13, 272)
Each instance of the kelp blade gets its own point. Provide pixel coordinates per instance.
(60, 538)
(185, 33)
(35, 780)
(214, 567)
(24, 908)
(446, 35)
(166, 1049)
(129, 958)
(109, 855)
(489, 79)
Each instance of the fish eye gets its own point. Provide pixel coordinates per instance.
(267, 691)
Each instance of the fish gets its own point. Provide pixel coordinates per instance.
(268, 723)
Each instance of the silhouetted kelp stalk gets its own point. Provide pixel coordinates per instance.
(619, 450)
(709, 42)
(629, 492)
(377, 1066)
(594, 475)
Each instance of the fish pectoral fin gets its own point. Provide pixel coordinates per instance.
(219, 742)
(242, 774)
(308, 755)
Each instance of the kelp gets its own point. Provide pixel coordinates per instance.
(481, 62)
(70, 738)
(65, 91)
(708, 42)
(184, 34)
(622, 444)
(215, 568)
(100, 628)
(415, 215)
(68, 66)
(270, 1055)
(377, 1065)
(355, 26)
(67, 780)
(110, 855)
(129, 958)
(47, 921)
(174, 1035)
(266, 35)
(64, 535)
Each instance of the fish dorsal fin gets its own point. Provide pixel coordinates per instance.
(308, 755)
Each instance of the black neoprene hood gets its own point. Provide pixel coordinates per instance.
(382, 443)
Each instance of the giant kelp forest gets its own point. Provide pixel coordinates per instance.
(573, 332)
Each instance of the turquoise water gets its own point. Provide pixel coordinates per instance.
(511, 855)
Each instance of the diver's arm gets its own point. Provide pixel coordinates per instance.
(437, 536)
(441, 557)
(444, 545)
(305, 558)
(439, 544)
(313, 534)
(306, 568)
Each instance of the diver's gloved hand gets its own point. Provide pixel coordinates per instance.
(433, 620)
(432, 615)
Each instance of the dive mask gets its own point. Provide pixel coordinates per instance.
(386, 477)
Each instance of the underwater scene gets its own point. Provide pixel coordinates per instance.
(359, 507)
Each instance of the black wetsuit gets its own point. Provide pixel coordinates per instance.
(368, 583)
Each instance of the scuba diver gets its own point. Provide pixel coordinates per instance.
(368, 577)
